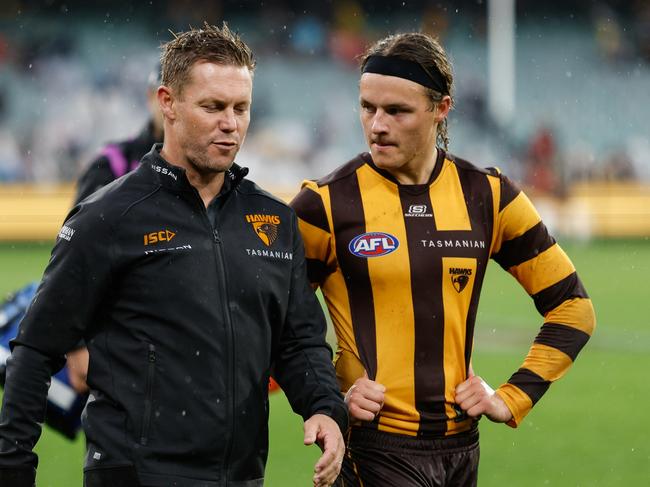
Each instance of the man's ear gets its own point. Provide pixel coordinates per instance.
(442, 108)
(167, 102)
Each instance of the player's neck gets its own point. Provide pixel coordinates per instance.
(418, 171)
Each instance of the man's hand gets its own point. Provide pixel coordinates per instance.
(476, 397)
(324, 431)
(78, 369)
(365, 398)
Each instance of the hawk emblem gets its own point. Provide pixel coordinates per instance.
(267, 232)
(459, 282)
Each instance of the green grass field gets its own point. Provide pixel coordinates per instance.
(591, 429)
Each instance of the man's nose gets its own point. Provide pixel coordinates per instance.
(378, 125)
(228, 121)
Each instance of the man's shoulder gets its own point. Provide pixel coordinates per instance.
(345, 170)
(465, 165)
(117, 196)
(249, 188)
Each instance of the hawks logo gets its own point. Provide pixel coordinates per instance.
(460, 277)
(265, 227)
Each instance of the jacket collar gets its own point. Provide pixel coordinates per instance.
(174, 177)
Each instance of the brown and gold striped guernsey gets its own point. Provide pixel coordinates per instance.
(401, 268)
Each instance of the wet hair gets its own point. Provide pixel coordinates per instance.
(426, 51)
(210, 43)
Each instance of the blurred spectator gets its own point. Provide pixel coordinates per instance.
(618, 167)
(541, 162)
(609, 34)
(348, 39)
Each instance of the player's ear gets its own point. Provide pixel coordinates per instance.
(442, 108)
(166, 100)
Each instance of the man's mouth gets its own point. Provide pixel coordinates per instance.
(225, 144)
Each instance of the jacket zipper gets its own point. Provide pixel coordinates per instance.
(231, 348)
(148, 399)
(217, 245)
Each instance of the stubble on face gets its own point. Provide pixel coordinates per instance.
(215, 109)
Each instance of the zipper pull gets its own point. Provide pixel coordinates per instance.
(152, 353)
(217, 239)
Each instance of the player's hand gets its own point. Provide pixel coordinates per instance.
(365, 398)
(324, 431)
(476, 397)
(77, 361)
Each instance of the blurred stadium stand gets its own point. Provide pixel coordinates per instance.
(73, 77)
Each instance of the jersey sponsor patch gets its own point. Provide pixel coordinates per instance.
(373, 244)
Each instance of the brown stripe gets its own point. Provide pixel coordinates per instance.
(428, 313)
(553, 296)
(349, 221)
(309, 208)
(524, 247)
(478, 198)
(532, 384)
(565, 338)
(509, 191)
(317, 270)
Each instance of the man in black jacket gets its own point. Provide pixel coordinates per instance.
(188, 284)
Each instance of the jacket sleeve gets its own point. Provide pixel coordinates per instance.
(75, 280)
(97, 175)
(315, 229)
(303, 362)
(523, 247)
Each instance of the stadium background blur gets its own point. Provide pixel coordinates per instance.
(73, 75)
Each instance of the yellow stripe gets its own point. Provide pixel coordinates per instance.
(316, 241)
(338, 303)
(517, 401)
(327, 203)
(446, 193)
(393, 304)
(456, 305)
(577, 313)
(547, 362)
(516, 219)
(544, 270)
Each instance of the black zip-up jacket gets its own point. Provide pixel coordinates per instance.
(184, 312)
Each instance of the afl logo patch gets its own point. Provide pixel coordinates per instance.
(373, 244)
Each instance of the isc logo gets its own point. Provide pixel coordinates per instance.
(160, 236)
(373, 244)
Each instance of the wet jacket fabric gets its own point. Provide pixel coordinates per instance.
(184, 311)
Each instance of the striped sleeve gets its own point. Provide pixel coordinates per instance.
(315, 229)
(523, 247)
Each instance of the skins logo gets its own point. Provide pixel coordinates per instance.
(159, 236)
(265, 227)
(373, 244)
(460, 277)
